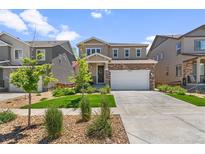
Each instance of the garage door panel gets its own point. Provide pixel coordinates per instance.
(130, 80)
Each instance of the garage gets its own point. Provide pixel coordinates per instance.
(130, 79)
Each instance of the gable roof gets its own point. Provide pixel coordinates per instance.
(2, 43)
(172, 37)
(45, 43)
(16, 38)
(92, 38)
(113, 44)
(98, 54)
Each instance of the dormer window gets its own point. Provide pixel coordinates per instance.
(115, 53)
(42, 52)
(18, 54)
(127, 52)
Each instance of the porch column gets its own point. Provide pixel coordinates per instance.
(198, 70)
(106, 66)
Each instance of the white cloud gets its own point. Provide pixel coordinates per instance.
(66, 34)
(149, 40)
(96, 15)
(37, 21)
(12, 20)
(99, 13)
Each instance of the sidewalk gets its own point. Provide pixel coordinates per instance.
(66, 111)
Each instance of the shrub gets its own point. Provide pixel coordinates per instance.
(179, 90)
(38, 94)
(63, 91)
(54, 122)
(85, 109)
(163, 88)
(105, 109)
(172, 89)
(7, 116)
(91, 89)
(104, 90)
(100, 128)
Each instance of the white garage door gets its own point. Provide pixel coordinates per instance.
(130, 79)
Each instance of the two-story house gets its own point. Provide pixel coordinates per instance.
(57, 53)
(181, 58)
(124, 66)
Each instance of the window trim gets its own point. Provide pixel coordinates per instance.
(140, 52)
(44, 57)
(92, 49)
(113, 49)
(178, 74)
(195, 49)
(125, 52)
(178, 50)
(19, 49)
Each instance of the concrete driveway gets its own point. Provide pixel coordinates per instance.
(153, 117)
(5, 96)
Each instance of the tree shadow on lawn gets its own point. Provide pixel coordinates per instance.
(16, 134)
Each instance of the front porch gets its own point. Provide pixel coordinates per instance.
(194, 71)
(98, 67)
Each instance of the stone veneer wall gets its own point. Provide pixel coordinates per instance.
(187, 67)
(150, 67)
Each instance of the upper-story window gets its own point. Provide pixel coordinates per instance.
(90, 51)
(43, 54)
(161, 56)
(178, 47)
(115, 53)
(127, 52)
(199, 45)
(138, 52)
(18, 54)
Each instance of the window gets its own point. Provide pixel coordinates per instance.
(127, 53)
(178, 48)
(178, 70)
(98, 50)
(138, 52)
(18, 54)
(92, 51)
(157, 57)
(199, 45)
(88, 52)
(161, 56)
(42, 52)
(115, 53)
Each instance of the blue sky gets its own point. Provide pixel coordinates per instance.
(110, 25)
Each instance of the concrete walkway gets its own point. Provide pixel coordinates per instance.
(70, 111)
(5, 96)
(153, 117)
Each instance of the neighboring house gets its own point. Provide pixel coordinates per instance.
(181, 58)
(57, 53)
(124, 66)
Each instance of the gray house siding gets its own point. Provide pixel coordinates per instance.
(5, 53)
(48, 55)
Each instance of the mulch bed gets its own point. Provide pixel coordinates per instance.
(73, 132)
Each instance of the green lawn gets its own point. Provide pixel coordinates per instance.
(190, 99)
(72, 101)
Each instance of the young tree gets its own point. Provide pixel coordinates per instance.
(28, 76)
(83, 78)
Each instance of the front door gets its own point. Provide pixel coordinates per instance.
(100, 74)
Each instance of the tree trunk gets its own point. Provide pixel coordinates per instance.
(29, 110)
